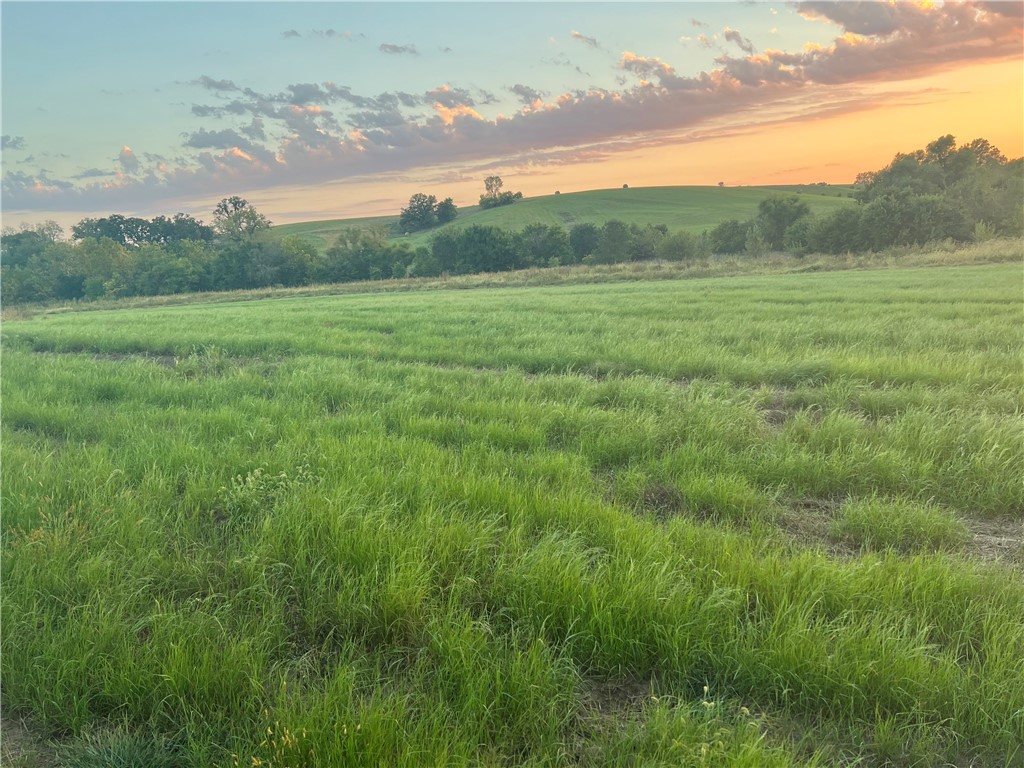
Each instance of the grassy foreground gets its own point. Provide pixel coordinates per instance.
(693, 209)
(757, 520)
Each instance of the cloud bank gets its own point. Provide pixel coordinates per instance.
(309, 133)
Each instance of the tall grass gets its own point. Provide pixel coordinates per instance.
(522, 527)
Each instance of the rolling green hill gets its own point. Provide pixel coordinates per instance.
(689, 208)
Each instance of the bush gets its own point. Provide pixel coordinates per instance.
(503, 198)
(446, 211)
(541, 245)
(728, 237)
(839, 232)
(776, 214)
(797, 234)
(584, 239)
(983, 231)
(644, 241)
(423, 264)
(613, 245)
(757, 243)
(680, 246)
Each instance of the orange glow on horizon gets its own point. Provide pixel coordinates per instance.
(983, 100)
(792, 145)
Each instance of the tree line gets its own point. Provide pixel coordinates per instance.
(943, 192)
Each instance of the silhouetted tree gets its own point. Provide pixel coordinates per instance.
(446, 211)
(419, 214)
(493, 196)
(235, 219)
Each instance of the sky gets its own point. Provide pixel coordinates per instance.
(332, 110)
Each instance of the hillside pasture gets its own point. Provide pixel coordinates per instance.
(693, 209)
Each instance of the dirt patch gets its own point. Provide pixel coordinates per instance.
(808, 523)
(616, 695)
(19, 748)
(168, 361)
(608, 705)
(777, 412)
(997, 540)
(663, 501)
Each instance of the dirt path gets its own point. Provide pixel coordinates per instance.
(20, 749)
(1001, 540)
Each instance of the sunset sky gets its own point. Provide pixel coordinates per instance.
(329, 110)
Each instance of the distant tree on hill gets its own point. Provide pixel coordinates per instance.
(420, 213)
(493, 185)
(446, 211)
(234, 219)
(424, 212)
(493, 196)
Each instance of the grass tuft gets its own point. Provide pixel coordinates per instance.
(906, 526)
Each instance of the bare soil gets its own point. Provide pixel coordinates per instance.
(807, 522)
(19, 748)
(1001, 540)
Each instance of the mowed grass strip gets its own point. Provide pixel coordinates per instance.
(545, 526)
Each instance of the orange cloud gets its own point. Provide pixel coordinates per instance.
(449, 114)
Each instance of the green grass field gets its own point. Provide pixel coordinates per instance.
(680, 208)
(759, 520)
